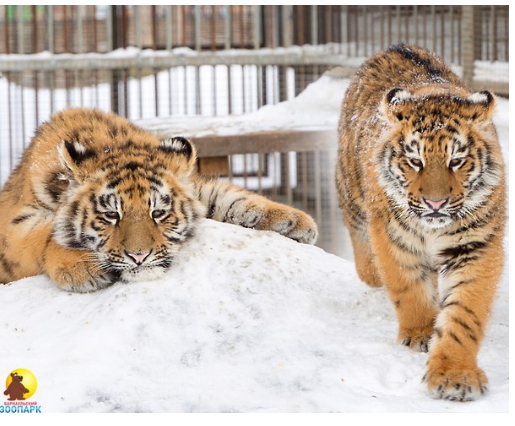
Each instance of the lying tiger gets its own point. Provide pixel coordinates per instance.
(97, 200)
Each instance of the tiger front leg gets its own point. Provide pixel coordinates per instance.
(75, 270)
(231, 204)
(411, 287)
(284, 220)
(469, 284)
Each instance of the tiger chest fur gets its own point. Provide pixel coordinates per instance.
(421, 184)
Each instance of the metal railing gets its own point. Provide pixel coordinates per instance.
(159, 61)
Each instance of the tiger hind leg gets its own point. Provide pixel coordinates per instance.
(364, 260)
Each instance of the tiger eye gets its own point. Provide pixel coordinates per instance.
(455, 162)
(416, 162)
(156, 214)
(111, 215)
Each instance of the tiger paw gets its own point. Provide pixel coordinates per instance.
(292, 223)
(82, 278)
(416, 340)
(456, 385)
(74, 270)
(284, 220)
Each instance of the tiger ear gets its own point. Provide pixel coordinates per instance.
(71, 156)
(393, 104)
(483, 104)
(181, 146)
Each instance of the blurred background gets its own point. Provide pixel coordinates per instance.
(185, 69)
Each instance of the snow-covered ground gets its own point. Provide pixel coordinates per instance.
(245, 321)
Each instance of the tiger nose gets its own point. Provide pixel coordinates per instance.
(138, 257)
(436, 204)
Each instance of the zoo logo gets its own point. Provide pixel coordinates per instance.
(20, 385)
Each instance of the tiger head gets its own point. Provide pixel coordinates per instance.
(131, 205)
(441, 157)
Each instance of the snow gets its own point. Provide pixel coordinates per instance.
(263, 325)
(245, 321)
(316, 108)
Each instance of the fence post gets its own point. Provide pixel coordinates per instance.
(286, 31)
(287, 25)
(470, 36)
(113, 45)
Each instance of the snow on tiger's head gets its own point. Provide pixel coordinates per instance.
(132, 204)
(440, 157)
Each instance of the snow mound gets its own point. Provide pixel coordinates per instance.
(245, 321)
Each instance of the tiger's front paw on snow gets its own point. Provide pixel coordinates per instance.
(416, 339)
(296, 225)
(284, 220)
(82, 277)
(456, 385)
(289, 222)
